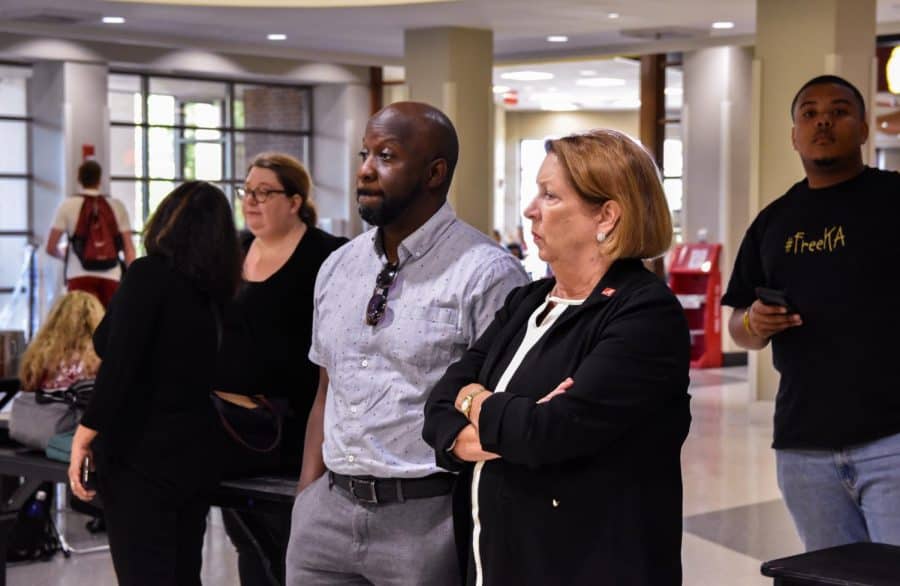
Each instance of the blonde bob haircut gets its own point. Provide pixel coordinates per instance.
(605, 165)
(64, 339)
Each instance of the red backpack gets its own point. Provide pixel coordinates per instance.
(97, 240)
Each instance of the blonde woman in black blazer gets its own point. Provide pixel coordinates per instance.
(567, 417)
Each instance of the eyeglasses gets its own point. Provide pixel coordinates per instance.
(378, 303)
(257, 195)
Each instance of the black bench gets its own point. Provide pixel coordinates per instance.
(855, 564)
(268, 493)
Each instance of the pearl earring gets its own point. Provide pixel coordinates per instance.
(601, 236)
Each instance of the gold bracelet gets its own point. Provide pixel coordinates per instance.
(746, 321)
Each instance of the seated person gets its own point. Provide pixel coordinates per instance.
(62, 352)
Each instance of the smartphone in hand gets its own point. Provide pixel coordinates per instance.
(774, 297)
(88, 476)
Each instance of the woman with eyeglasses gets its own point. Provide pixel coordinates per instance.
(266, 384)
(566, 418)
(150, 429)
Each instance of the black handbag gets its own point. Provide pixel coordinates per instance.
(265, 419)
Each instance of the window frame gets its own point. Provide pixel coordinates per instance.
(231, 177)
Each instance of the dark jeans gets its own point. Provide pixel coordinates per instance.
(155, 533)
(260, 538)
(261, 541)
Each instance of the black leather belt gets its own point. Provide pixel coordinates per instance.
(370, 490)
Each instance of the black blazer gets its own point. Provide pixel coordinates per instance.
(588, 488)
(151, 402)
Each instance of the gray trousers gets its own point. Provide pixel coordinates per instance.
(337, 540)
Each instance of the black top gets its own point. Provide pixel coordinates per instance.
(833, 252)
(588, 486)
(151, 402)
(267, 335)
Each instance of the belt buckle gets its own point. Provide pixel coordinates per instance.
(368, 496)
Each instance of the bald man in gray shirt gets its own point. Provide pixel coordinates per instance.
(393, 309)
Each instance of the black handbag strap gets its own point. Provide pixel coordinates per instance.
(262, 403)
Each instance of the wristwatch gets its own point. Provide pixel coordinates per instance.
(465, 406)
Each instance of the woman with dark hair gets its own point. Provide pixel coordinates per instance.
(150, 428)
(568, 415)
(264, 352)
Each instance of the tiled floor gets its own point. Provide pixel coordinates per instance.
(734, 516)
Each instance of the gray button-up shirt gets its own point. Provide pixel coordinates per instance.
(452, 279)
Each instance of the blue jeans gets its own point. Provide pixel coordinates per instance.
(843, 496)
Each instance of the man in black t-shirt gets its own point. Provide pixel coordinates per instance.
(828, 244)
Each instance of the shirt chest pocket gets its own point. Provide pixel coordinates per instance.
(430, 335)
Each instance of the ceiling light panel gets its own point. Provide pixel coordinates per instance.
(527, 75)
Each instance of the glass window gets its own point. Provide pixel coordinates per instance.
(672, 157)
(14, 311)
(673, 189)
(271, 107)
(180, 97)
(14, 154)
(202, 160)
(197, 129)
(674, 88)
(125, 98)
(14, 90)
(14, 202)
(162, 152)
(131, 194)
(15, 253)
(158, 191)
(126, 147)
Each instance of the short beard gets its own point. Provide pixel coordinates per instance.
(387, 212)
(826, 163)
(377, 216)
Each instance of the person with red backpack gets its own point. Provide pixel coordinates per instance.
(99, 237)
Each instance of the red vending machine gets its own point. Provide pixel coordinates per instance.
(695, 279)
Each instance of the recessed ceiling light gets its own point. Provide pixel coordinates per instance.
(527, 75)
(723, 24)
(557, 39)
(600, 82)
(276, 37)
(113, 20)
(501, 89)
(552, 97)
(612, 15)
(587, 72)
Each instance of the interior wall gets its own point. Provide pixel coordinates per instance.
(179, 61)
(340, 112)
(540, 125)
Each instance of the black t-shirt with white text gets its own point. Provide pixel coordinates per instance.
(834, 253)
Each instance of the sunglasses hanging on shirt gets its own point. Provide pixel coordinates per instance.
(378, 302)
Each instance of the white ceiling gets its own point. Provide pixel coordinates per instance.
(520, 26)
(374, 35)
(596, 84)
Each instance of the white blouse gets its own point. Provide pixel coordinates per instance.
(557, 306)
